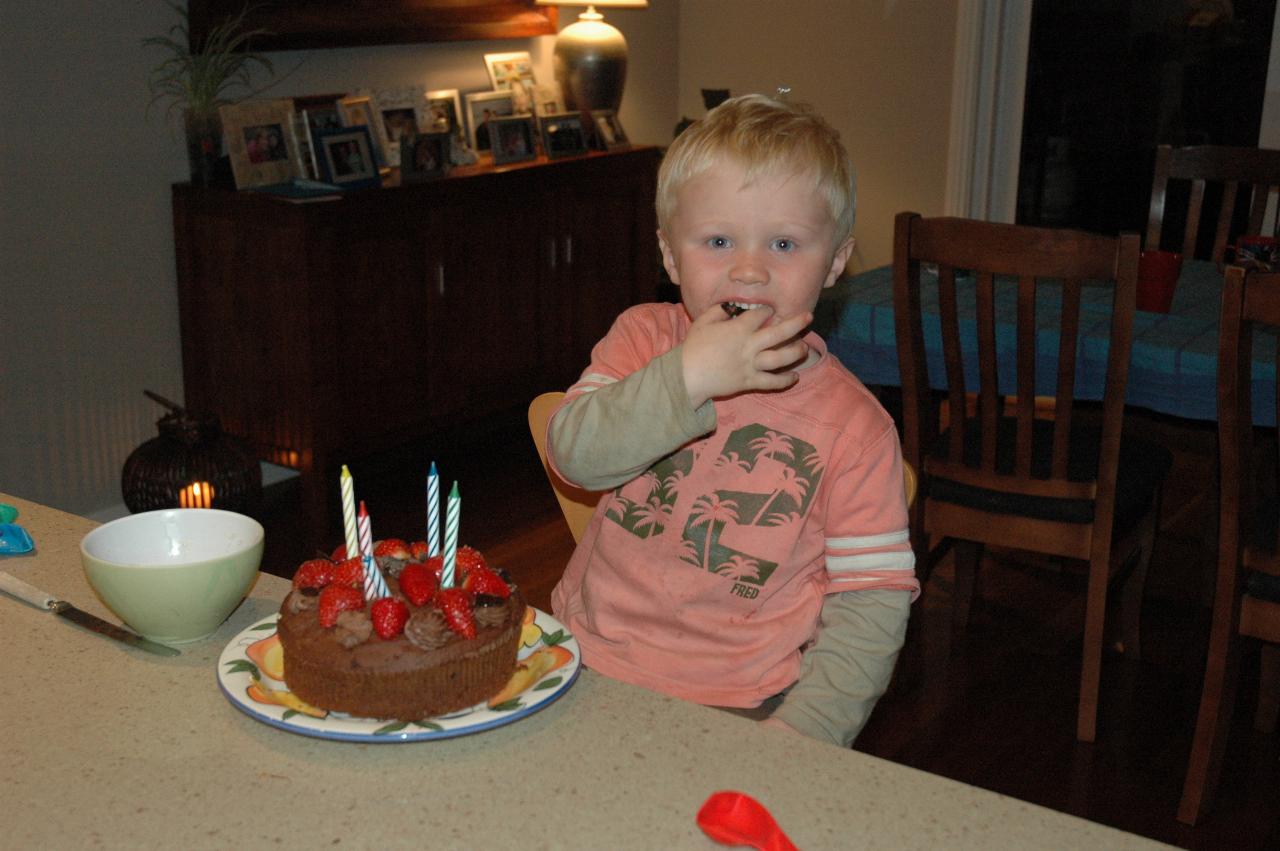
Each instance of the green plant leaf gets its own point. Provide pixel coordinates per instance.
(546, 684)
(507, 705)
(428, 725)
(289, 713)
(394, 727)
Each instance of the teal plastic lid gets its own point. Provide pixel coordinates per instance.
(14, 540)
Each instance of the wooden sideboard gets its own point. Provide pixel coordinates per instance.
(324, 331)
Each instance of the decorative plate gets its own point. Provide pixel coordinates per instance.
(247, 665)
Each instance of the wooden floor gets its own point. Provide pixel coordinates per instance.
(993, 707)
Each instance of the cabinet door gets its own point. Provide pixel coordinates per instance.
(606, 250)
(488, 341)
(371, 328)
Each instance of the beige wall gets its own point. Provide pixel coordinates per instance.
(879, 71)
(88, 307)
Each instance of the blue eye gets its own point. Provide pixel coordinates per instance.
(718, 242)
(783, 244)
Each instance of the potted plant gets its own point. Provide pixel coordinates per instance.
(198, 79)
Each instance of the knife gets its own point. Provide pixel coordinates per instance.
(93, 623)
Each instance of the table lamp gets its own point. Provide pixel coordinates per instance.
(591, 56)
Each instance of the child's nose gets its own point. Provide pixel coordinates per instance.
(749, 268)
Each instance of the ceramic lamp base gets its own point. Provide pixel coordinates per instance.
(591, 65)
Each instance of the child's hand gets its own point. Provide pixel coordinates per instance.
(724, 355)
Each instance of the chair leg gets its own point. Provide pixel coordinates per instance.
(968, 557)
(1217, 702)
(1095, 616)
(1132, 593)
(1264, 719)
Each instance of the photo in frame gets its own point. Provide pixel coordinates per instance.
(563, 135)
(609, 130)
(514, 139)
(357, 111)
(321, 110)
(513, 72)
(482, 106)
(402, 112)
(346, 157)
(259, 142)
(547, 100)
(444, 113)
(424, 157)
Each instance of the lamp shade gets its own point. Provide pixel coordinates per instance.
(591, 56)
(191, 464)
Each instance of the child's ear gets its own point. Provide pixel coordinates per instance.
(668, 259)
(839, 261)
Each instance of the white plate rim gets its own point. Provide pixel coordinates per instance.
(234, 681)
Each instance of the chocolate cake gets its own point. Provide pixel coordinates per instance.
(423, 652)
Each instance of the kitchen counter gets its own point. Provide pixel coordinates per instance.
(110, 746)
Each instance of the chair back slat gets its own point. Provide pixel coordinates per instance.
(1225, 211)
(952, 358)
(1192, 229)
(1064, 403)
(988, 368)
(1026, 406)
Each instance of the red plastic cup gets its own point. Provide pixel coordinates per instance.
(1157, 278)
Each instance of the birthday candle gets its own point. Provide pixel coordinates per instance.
(433, 511)
(451, 537)
(374, 585)
(349, 512)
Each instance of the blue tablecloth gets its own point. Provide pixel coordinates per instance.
(1173, 369)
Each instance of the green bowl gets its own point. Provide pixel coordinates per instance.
(176, 574)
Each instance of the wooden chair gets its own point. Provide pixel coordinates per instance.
(1061, 483)
(578, 504)
(1247, 595)
(1252, 171)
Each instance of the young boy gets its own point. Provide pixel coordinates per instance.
(755, 540)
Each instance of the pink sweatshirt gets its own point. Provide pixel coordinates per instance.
(704, 575)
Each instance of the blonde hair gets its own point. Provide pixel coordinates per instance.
(765, 136)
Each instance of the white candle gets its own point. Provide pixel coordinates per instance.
(451, 537)
(433, 511)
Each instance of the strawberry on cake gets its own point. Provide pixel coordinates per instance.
(421, 651)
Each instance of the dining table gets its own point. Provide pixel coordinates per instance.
(108, 746)
(1173, 363)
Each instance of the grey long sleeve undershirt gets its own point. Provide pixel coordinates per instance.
(610, 435)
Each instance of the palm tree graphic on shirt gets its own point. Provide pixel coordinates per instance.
(769, 476)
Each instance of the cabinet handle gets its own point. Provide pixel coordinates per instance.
(440, 278)
(568, 249)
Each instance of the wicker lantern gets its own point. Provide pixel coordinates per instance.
(192, 464)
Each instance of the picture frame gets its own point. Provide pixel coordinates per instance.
(402, 112)
(347, 157)
(609, 129)
(444, 113)
(358, 110)
(481, 106)
(514, 139)
(424, 157)
(513, 72)
(563, 135)
(547, 100)
(311, 113)
(259, 142)
(321, 110)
